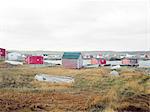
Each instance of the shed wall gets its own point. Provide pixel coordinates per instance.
(14, 56)
(69, 63)
(34, 60)
(72, 63)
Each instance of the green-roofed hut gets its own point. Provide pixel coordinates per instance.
(72, 60)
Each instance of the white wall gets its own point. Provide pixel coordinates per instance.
(14, 56)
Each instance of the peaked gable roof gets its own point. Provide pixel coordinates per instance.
(71, 55)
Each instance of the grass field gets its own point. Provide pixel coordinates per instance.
(94, 90)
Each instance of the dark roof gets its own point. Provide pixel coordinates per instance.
(71, 55)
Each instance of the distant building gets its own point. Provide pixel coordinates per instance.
(14, 56)
(72, 60)
(54, 56)
(102, 61)
(94, 61)
(130, 61)
(99, 61)
(99, 56)
(122, 56)
(87, 57)
(2, 54)
(130, 56)
(34, 60)
(147, 56)
(45, 56)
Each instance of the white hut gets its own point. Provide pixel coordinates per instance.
(14, 56)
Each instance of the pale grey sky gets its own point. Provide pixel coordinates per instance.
(75, 24)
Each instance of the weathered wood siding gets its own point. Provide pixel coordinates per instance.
(69, 63)
(72, 63)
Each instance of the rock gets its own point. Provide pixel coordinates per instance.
(116, 67)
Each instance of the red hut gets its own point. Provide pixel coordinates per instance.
(102, 61)
(2, 53)
(34, 60)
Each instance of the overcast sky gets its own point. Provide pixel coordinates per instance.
(75, 25)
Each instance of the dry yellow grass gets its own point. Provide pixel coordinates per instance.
(50, 86)
(100, 90)
(45, 101)
(135, 86)
(72, 72)
(128, 72)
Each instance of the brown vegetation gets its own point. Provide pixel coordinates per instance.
(94, 90)
(44, 101)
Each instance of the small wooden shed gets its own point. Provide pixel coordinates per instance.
(72, 60)
(14, 56)
(2, 54)
(102, 61)
(34, 60)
